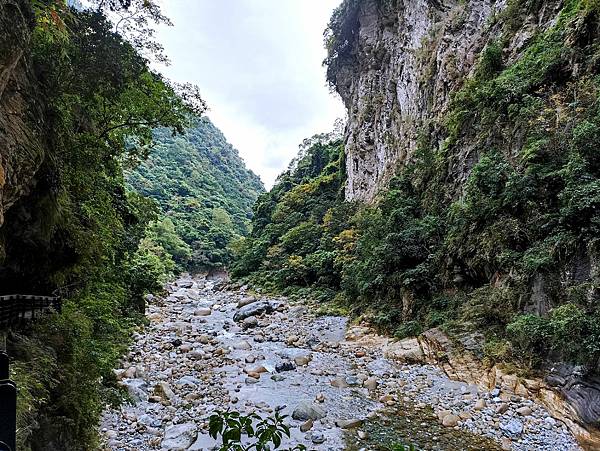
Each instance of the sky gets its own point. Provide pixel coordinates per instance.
(258, 66)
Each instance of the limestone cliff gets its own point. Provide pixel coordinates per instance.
(402, 62)
(454, 91)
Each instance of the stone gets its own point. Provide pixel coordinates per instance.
(513, 428)
(256, 369)
(250, 322)
(371, 383)
(502, 408)
(164, 391)
(339, 382)
(277, 377)
(307, 410)
(246, 301)
(185, 283)
(130, 373)
(317, 438)
(242, 345)
(550, 421)
(254, 309)
(480, 404)
(196, 354)
(349, 424)
(531, 384)
(506, 443)
(189, 381)
(352, 381)
(363, 435)
(408, 351)
(292, 339)
(306, 426)
(450, 420)
(524, 411)
(137, 389)
(442, 414)
(302, 360)
(179, 437)
(202, 312)
(285, 366)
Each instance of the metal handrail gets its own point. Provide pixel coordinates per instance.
(15, 309)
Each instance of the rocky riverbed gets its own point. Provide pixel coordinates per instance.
(208, 348)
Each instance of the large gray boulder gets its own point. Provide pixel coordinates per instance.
(137, 389)
(179, 437)
(256, 308)
(307, 410)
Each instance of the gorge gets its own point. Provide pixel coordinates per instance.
(436, 267)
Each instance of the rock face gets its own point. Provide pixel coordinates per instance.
(567, 396)
(404, 60)
(22, 147)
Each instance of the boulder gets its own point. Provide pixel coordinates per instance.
(246, 301)
(408, 350)
(480, 404)
(164, 391)
(524, 411)
(202, 311)
(256, 308)
(307, 410)
(179, 437)
(450, 421)
(137, 389)
(285, 366)
(306, 426)
(339, 382)
(512, 428)
(349, 424)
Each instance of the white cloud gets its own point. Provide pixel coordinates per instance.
(258, 65)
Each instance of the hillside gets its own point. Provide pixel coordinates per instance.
(471, 159)
(202, 185)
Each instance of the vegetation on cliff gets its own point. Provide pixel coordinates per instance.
(511, 251)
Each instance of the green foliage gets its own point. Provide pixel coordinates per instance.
(234, 428)
(341, 38)
(569, 332)
(292, 243)
(78, 230)
(402, 447)
(202, 188)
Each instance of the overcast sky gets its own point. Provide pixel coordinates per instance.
(258, 65)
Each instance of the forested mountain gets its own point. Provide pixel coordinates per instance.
(203, 187)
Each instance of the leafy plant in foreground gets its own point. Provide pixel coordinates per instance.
(232, 427)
